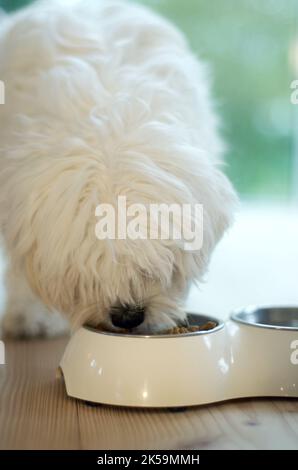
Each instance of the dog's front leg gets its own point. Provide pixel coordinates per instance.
(26, 316)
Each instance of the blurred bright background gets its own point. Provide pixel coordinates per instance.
(250, 46)
(247, 44)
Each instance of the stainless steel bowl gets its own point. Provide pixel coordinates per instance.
(281, 318)
(194, 319)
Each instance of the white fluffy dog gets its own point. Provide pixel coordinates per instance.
(103, 98)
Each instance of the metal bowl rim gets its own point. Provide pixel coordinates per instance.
(219, 326)
(255, 308)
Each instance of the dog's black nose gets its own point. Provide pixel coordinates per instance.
(127, 316)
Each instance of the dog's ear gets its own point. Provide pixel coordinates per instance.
(219, 202)
(219, 210)
(49, 225)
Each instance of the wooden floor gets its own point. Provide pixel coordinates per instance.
(35, 413)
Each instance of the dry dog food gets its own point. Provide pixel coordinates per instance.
(177, 330)
(180, 330)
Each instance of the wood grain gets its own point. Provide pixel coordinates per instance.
(36, 414)
(34, 411)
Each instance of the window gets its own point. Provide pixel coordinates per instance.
(250, 46)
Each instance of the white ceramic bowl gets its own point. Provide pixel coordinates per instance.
(243, 357)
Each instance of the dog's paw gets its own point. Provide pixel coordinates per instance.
(30, 324)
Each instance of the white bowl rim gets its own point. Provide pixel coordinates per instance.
(219, 326)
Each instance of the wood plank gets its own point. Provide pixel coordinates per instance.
(254, 424)
(34, 410)
(106, 427)
(245, 424)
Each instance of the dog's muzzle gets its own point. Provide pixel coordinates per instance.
(127, 316)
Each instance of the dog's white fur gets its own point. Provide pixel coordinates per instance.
(103, 98)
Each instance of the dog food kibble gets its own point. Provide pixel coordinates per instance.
(180, 330)
(177, 330)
